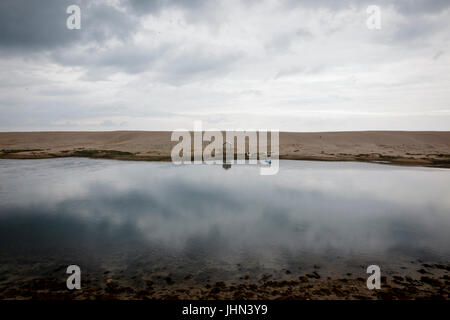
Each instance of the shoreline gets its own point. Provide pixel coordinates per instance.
(422, 281)
(405, 148)
(426, 163)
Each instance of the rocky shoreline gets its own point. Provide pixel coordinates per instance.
(427, 282)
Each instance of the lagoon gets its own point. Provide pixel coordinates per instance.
(197, 224)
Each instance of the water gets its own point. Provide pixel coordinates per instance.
(204, 223)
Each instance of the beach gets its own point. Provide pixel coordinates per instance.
(418, 148)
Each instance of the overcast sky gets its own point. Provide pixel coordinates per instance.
(160, 65)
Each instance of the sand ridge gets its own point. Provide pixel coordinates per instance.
(424, 148)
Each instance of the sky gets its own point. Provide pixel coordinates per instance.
(288, 65)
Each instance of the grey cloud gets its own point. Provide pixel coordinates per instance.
(303, 33)
(415, 30)
(409, 7)
(34, 24)
(406, 7)
(41, 25)
(110, 123)
(142, 7)
(438, 55)
(283, 42)
(35, 43)
(196, 64)
(210, 13)
(416, 26)
(102, 22)
(127, 58)
(295, 70)
(166, 62)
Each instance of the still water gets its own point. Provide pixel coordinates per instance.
(210, 223)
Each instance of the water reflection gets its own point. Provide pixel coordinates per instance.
(226, 166)
(203, 215)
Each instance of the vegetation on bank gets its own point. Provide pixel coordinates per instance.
(9, 151)
(93, 153)
(428, 160)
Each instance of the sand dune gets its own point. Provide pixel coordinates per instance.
(427, 148)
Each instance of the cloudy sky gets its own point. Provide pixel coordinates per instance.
(160, 65)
